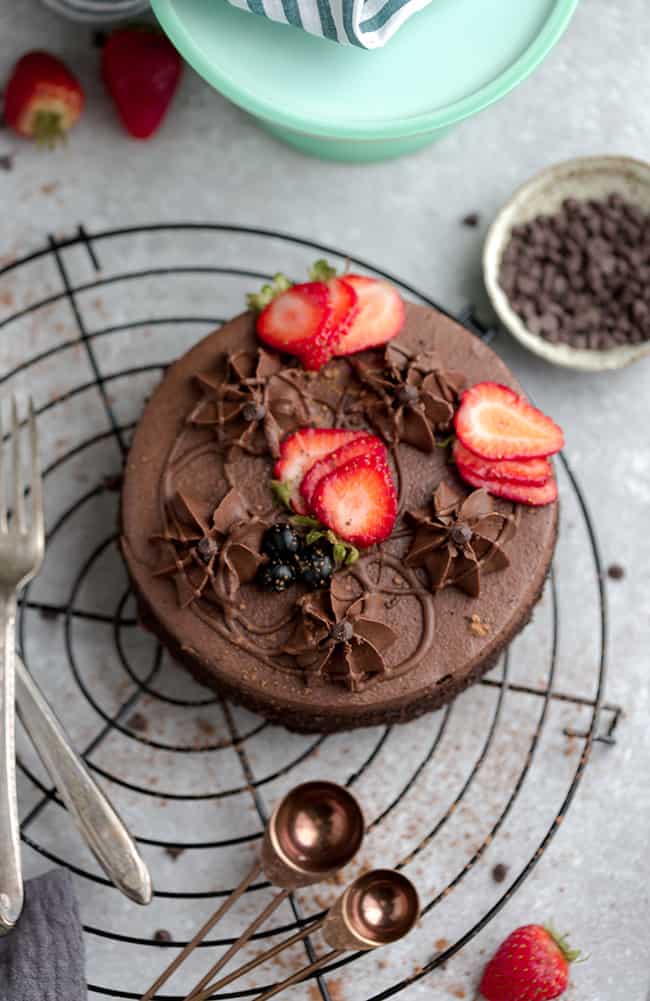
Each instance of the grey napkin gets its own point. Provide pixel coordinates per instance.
(43, 958)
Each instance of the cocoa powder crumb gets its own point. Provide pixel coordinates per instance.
(615, 571)
(458, 992)
(7, 161)
(472, 219)
(499, 872)
(49, 188)
(335, 990)
(174, 851)
(441, 944)
(206, 727)
(138, 722)
(162, 935)
(113, 482)
(477, 626)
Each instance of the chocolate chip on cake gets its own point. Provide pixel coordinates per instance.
(580, 276)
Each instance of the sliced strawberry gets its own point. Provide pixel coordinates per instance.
(342, 303)
(295, 319)
(496, 423)
(364, 444)
(534, 472)
(300, 450)
(380, 315)
(522, 493)
(358, 501)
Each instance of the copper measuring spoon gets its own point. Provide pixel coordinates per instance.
(315, 830)
(377, 909)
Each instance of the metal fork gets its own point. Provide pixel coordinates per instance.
(22, 546)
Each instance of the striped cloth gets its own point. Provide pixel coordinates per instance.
(366, 23)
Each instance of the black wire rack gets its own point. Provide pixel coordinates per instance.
(66, 279)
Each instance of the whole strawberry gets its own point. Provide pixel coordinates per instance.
(43, 100)
(141, 70)
(531, 965)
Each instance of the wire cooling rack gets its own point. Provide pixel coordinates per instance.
(87, 325)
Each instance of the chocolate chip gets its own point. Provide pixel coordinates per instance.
(499, 872)
(162, 935)
(138, 722)
(472, 219)
(174, 851)
(461, 535)
(254, 412)
(407, 394)
(615, 571)
(207, 548)
(342, 632)
(582, 275)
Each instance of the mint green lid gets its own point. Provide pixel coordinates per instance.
(447, 62)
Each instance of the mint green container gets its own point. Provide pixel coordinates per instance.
(447, 62)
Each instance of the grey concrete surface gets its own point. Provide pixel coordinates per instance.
(211, 163)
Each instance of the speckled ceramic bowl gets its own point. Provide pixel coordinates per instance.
(586, 177)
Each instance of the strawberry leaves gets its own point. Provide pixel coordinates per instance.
(320, 271)
(257, 301)
(343, 552)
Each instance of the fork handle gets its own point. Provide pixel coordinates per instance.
(11, 881)
(100, 825)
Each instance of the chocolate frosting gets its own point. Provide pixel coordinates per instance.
(248, 392)
(459, 538)
(341, 638)
(186, 460)
(210, 558)
(409, 397)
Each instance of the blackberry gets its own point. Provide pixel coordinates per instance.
(316, 566)
(276, 576)
(281, 542)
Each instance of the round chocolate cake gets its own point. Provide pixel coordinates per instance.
(400, 631)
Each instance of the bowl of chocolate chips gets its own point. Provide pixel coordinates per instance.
(567, 263)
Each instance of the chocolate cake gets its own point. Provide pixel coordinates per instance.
(405, 628)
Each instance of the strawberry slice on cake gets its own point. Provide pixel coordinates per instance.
(358, 501)
(299, 452)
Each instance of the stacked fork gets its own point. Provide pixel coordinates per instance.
(22, 548)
